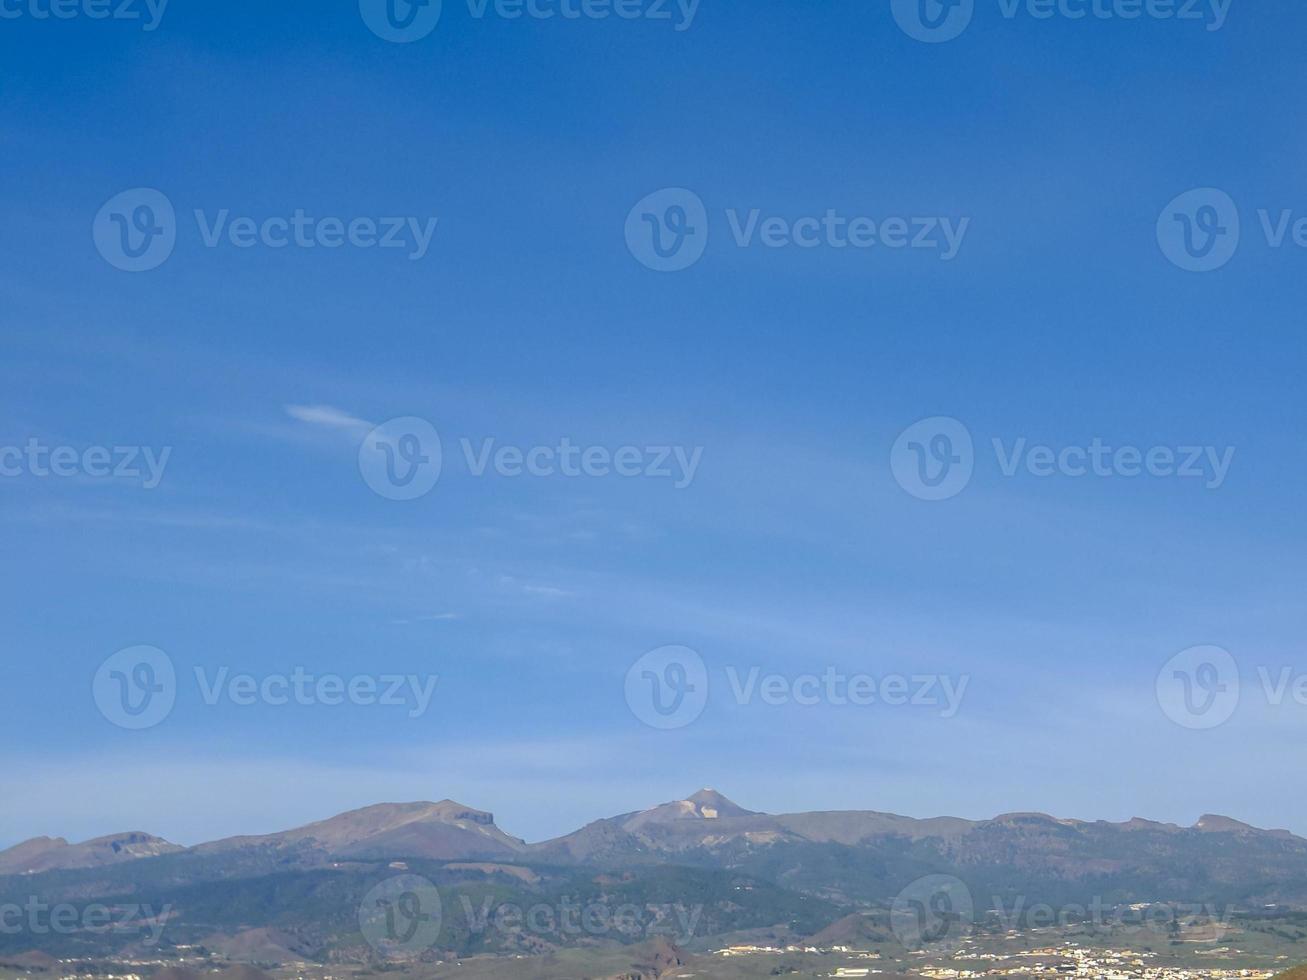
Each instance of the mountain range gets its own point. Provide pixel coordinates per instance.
(296, 894)
(51, 853)
(705, 827)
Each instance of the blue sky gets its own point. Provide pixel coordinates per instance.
(529, 320)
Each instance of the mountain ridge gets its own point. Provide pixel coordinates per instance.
(451, 830)
(831, 873)
(55, 853)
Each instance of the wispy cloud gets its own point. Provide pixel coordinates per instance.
(434, 618)
(329, 417)
(547, 590)
(530, 588)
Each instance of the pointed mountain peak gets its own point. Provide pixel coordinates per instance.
(707, 804)
(711, 805)
(1215, 823)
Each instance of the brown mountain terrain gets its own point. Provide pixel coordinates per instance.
(838, 854)
(31, 962)
(439, 831)
(55, 853)
(660, 959)
(708, 820)
(857, 931)
(262, 945)
(826, 875)
(231, 973)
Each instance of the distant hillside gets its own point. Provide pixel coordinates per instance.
(53, 853)
(314, 914)
(868, 856)
(857, 931)
(707, 828)
(825, 874)
(442, 831)
(231, 973)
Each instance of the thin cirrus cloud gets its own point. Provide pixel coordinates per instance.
(328, 417)
(437, 618)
